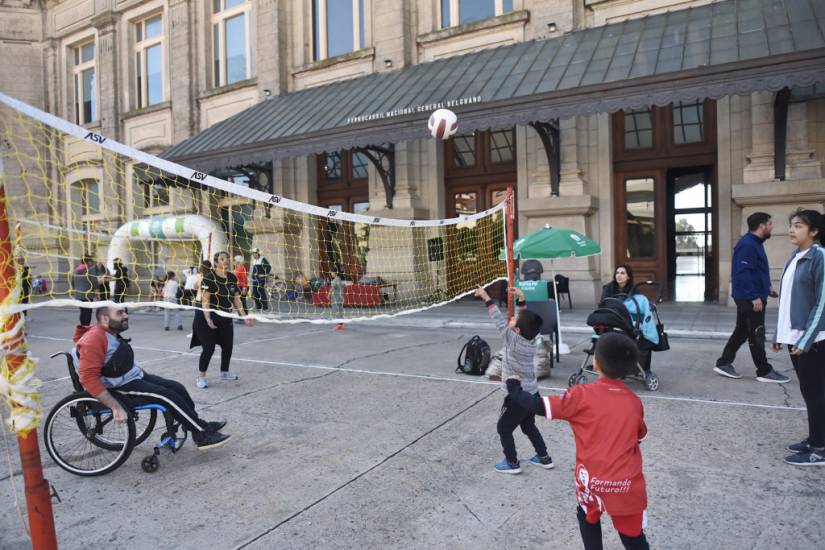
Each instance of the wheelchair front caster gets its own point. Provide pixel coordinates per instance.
(651, 381)
(150, 464)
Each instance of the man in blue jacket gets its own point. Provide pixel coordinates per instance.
(751, 288)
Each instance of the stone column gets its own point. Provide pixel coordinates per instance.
(270, 46)
(800, 161)
(571, 181)
(108, 74)
(183, 87)
(760, 166)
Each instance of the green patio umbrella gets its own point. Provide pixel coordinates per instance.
(551, 243)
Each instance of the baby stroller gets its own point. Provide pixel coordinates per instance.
(634, 316)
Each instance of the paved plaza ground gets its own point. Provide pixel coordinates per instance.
(366, 438)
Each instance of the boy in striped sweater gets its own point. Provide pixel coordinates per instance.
(519, 348)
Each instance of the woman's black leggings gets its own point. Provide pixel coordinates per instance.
(810, 368)
(224, 337)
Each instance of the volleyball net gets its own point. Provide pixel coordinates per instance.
(96, 221)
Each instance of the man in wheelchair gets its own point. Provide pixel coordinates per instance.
(105, 360)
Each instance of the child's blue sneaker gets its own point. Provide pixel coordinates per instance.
(505, 467)
(544, 461)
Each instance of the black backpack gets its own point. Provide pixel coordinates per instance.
(476, 358)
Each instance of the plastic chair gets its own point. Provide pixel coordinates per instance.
(550, 323)
(563, 287)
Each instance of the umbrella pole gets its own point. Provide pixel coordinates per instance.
(563, 348)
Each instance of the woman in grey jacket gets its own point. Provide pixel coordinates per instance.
(801, 326)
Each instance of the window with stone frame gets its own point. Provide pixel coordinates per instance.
(338, 27)
(84, 80)
(462, 12)
(148, 61)
(155, 195)
(86, 196)
(231, 41)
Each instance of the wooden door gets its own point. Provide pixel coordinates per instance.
(641, 223)
(339, 240)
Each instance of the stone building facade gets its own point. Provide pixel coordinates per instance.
(164, 70)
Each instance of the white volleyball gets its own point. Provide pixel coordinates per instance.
(442, 124)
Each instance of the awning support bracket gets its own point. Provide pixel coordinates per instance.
(377, 154)
(780, 132)
(549, 134)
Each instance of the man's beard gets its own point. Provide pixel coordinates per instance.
(118, 326)
(766, 236)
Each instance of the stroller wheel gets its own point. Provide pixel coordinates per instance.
(651, 381)
(576, 379)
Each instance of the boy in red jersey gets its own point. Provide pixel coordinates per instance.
(608, 424)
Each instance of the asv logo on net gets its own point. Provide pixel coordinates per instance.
(94, 138)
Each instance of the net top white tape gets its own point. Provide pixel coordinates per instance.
(216, 183)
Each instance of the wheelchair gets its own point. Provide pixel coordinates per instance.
(82, 437)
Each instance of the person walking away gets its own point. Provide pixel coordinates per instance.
(336, 295)
(25, 282)
(243, 281)
(260, 271)
(170, 296)
(121, 279)
(801, 327)
(219, 292)
(103, 281)
(156, 287)
(751, 287)
(84, 284)
(519, 348)
(608, 425)
(190, 284)
(204, 270)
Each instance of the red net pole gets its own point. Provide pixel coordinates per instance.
(510, 218)
(38, 499)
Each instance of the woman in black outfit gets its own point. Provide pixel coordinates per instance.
(622, 283)
(26, 279)
(620, 287)
(121, 278)
(219, 292)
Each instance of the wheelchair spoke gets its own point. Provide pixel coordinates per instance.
(83, 439)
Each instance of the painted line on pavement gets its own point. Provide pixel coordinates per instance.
(441, 378)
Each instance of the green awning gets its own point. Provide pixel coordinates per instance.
(710, 51)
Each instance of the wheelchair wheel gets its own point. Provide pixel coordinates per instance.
(144, 424)
(651, 381)
(82, 437)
